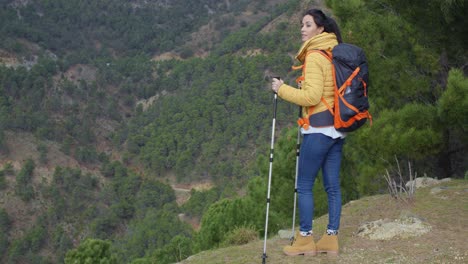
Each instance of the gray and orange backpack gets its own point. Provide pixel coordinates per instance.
(351, 78)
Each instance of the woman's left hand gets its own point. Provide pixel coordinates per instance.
(275, 84)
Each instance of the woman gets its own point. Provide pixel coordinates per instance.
(322, 145)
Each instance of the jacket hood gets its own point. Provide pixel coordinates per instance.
(322, 41)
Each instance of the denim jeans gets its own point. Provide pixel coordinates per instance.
(319, 152)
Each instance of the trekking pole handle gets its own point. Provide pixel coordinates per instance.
(279, 79)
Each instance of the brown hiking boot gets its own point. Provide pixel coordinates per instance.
(328, 244)
(302, 245)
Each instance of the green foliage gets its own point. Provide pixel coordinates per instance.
(3, 244)
(3, 183)
(240, 235)
(444, 36)
(25, 91)
(61, 242)
(91, 251)
(2, 141)
(178, 249)
(142, 261)
(153, 231)
(118, 26)
(42, 149)
(249, 37)
(225, 215)
(153, 195)
(86, 154)
(415, 132)
(453, 104)
(121, 191)
(217, 123)
(8, 169)
(36, 237)
(5, 221)
(27, 103)
(31, 242)
(24, 188)
(105, 225)
(408, 133)
(200, 201)
(5, 225)
(71, 191)
(452, 111)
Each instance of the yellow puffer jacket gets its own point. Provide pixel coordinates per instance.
(318, 77)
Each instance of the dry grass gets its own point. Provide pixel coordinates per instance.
(399, 190)
(446, 211)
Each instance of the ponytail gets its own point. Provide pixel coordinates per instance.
(332, 27)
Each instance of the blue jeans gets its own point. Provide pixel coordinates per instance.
(319, 152)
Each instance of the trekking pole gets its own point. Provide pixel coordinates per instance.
(275, 100)
(298, 149)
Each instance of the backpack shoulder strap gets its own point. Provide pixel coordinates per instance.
(326, 54)
(304, 121)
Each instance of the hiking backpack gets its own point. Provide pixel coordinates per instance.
(351, 78)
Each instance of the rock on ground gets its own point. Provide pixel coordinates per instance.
(408, 225)
(424, 182)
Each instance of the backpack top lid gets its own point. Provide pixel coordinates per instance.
(349, 54)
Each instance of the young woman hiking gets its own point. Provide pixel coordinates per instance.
(322, 144)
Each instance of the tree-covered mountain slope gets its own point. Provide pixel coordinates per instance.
(106, 105)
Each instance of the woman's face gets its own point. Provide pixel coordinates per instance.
(308, 28)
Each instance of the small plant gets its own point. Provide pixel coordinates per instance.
(240, 235)
(3, 183)
(42, 148)
(8, 169)
(396, 184)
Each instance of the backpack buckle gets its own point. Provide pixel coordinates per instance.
(303, 122)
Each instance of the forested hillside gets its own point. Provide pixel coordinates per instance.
(138, 95)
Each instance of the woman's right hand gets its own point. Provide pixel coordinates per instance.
(275, 84)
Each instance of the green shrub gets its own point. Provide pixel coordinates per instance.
(91, 251)
(240, 235)
(3, 244)
(5, 221)
(5, 224)
(179, 248)
(24, 188)
(8, 169)
(3, 183)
